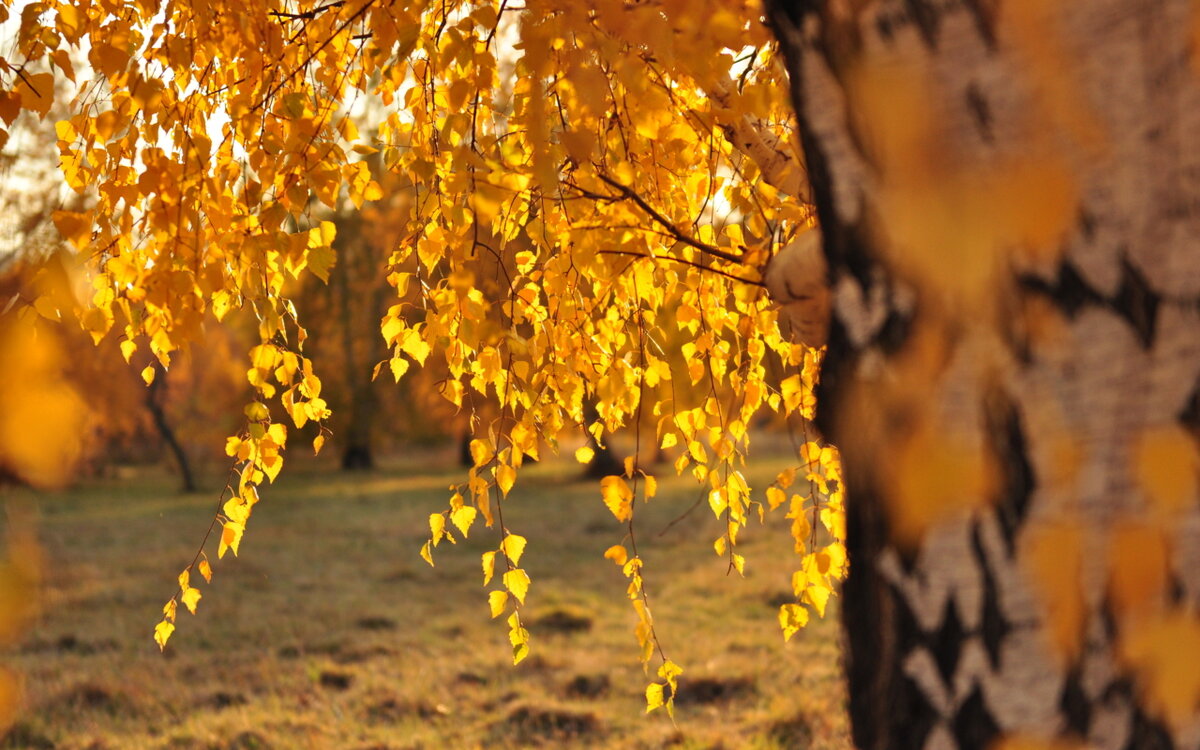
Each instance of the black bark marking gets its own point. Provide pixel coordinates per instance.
(947, 644)
(974, 726)
(885, 26)
(1190, 416)
(871, 657)
(1070, 293)
(1176, 593)
(993, 627)
(1108, 620)
(984, 14)
(794, 11)
(1074, 704)
(894, 333)
(927, 18)
(1137, 303)
(1146, 733)
(1006, 440)
(981, 111)
(874, 657)
(912, 719)
(1087, 224)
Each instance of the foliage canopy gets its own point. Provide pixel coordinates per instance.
(583, 197)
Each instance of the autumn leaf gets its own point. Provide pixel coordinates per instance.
(513, 546)
(654, 696)
(617, 496)
(36, 92)
(517, 583)
(162, 632)
(497, 601)
(462, 518)
(506, 476)
(190, 598)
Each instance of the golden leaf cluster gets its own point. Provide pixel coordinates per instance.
(582, 234)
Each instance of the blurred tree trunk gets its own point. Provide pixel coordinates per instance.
(359, 429)
(1009, 195)
(155, 396)
(604, 460)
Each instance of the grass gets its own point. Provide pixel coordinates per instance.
(330, 632)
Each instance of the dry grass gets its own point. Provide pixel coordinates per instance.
(330, 632)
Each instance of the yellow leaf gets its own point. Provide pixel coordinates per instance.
(190, 598)
(654, 696)
(584, 455)
(415, 346)
(513, 546)
(617, 554)
(506, 476)
(489, 566)
(76, 228)
(497, 601)
(437, 527)
(792, 617)
(162, 632)
(148, 374)
(426, 555)
(36, 92)
(775, 497)
(318, 443)
(669, 670)
(452, 390)
(257, 412)
(392, 328)
(817, 595)
(793, 391)
(231, 537)
(462, 518)
(320, 260)
(399, 366)
(206, 570)
(739, 563)
(651, 487)
(271, 465)
(520, 651)
(618, 497)
(519, 637)
(517, 582)
(481, 452)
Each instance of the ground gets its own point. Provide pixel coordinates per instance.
(330, 632)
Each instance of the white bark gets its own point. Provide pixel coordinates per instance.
(1088, 342)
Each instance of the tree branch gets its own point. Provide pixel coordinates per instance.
(630, 194)
(686, 262)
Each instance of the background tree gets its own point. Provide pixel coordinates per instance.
(1008, 201)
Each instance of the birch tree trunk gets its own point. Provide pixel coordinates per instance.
(1009, 194)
